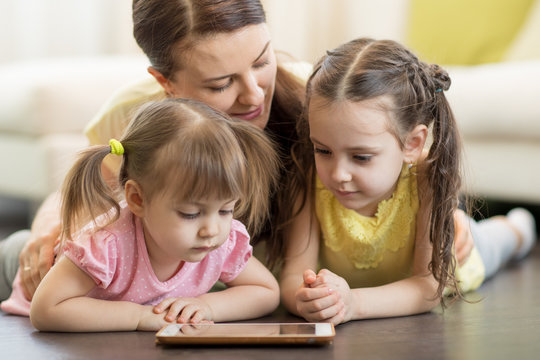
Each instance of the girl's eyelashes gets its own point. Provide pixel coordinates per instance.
(322, 151)
(188, 216)
(226, 212)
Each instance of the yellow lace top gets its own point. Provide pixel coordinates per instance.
(372, 251)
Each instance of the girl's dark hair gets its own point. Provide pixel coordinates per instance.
(365, 69)
(163, 28)
(183, 149)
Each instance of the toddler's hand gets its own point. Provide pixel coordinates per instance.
(185, 310)
(149, 320)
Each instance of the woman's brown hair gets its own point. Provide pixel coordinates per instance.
(165, 28)
(364, 69)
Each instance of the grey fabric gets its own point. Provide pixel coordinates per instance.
(10, 249)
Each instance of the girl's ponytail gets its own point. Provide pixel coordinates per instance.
(85, 194)
(261, 178)
(444, 171)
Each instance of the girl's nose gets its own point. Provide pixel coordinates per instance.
(340, 174)
(251, 93)
(209, 229)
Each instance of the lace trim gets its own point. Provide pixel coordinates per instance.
(365, 239)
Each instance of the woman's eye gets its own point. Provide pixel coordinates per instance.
(322, 151)
(222, 88)
(188, 216)
(261, 64)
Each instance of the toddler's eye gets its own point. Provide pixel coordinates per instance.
(226, 212)
(188, 216)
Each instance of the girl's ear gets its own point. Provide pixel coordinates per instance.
(414, 144)
(134, 198)
(162, 80)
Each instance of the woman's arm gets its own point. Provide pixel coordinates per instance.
(37, 256)
(253, 293)
(60, 304)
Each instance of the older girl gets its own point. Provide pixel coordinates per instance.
(382, 229)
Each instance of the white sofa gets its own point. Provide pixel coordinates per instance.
(45, 104)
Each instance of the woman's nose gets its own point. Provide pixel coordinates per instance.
(251, 93)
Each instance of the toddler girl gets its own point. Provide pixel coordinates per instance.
(152, 257)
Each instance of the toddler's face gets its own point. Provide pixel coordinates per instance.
(186, 231)
(357, 157)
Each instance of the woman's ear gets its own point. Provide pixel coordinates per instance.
(162, 80)
(134, 198)
(414, 144)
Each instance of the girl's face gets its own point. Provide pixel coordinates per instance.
(357, 157)
(185, 231)
(233, 72)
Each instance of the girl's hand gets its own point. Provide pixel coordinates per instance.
(149, 320)
(185, 310)
(338, 285)
(315, 301)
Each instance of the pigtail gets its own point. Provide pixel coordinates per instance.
(261, 177)
(85, 194)
(444, 173)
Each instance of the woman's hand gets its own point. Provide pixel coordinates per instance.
(318, 300)
(463, 239)
(36, 258)
(184, 310)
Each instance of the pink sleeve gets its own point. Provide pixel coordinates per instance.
(238, 252)
(95, 254)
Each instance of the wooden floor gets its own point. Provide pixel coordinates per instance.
(504, 324)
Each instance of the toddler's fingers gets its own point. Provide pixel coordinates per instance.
(187, 313)
(162, 306)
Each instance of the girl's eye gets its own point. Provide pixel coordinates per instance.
(222, 88)
(322, 151)
(188, 216)
(226, 212)
(362, 158)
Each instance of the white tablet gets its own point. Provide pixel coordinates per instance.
(247, 333)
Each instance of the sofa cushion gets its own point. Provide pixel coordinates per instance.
(61, 95)
(497, 100)
(463, 31)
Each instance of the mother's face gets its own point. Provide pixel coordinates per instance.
(233, 72)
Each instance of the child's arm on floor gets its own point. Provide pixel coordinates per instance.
(60, 304)
(253, 293)
(301, 259)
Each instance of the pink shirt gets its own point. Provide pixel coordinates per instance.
(117, 259)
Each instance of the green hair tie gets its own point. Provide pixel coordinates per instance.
(116, 147)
